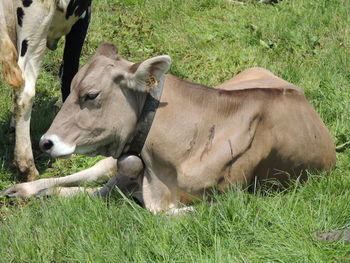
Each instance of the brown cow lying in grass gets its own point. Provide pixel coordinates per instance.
(252, 127)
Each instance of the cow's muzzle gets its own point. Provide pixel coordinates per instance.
(45, 145)
(55, 147)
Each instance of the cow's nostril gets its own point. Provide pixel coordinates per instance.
(47, 145)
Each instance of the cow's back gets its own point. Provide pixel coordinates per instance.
(256, 77)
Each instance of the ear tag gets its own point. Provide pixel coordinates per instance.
(152, 81)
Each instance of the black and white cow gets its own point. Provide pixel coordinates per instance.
(26, 28)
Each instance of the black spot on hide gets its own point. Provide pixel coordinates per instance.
(59, 8)
(24, 47)
(27, 3)
(77, 7)
(20, 14)
(70, 8)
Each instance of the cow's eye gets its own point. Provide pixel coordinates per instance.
(91, 95)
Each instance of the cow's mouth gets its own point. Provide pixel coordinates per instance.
(57, 148)
(107, 150)
(67, 156)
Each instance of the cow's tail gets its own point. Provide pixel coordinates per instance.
(8, 52)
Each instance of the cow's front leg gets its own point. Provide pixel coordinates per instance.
(33, 23)
(23, 155)
(67, 191)
(162, 195)
(128, 180)
(159, 193)
(101, 171)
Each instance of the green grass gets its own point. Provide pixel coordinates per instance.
(305, 42)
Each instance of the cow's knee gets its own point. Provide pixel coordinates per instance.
(28, 93)
(26, 168)
(24, 97)
(130, 166)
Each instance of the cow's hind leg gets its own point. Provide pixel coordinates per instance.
(33, 20)
(72, 50)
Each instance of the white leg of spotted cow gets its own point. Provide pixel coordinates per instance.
(101, 171)
(31, 41)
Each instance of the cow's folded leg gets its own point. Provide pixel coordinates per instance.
(128, 179)
(128, 186)
(101, 171)
(107, 188)
(130, 183)
(66, 191)
(159, 195)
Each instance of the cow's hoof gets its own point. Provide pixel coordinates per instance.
(180, 211)
(22, 191)
(26, 173)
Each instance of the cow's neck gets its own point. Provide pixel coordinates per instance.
(147, 105)
(140, 98)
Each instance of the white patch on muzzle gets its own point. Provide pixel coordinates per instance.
(59, 148)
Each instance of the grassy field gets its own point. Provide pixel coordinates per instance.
(305, 42)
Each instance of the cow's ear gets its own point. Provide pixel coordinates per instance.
(107, 50)
(146, 75)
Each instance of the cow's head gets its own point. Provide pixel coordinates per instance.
(100, 114)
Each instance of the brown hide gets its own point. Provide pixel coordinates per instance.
(255, 125)
(265, 129)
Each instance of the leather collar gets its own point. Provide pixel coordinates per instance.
(145, 120)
